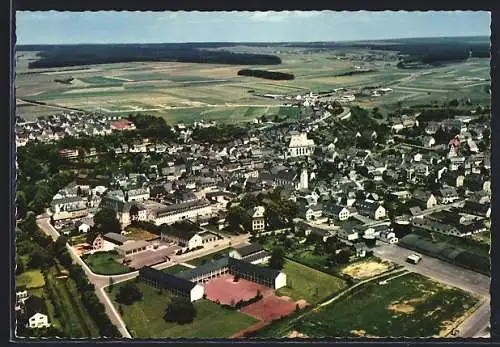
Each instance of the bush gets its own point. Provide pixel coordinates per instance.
(180, 311)
(128, 294)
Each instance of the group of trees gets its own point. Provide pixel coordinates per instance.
(238, 219)
(270, 75)
(44, 253)
(277, 259)
(221, 134)
(105, 221)
(40, 177)
(151, 126)
(279, 213)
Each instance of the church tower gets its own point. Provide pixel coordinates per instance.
(304, 179)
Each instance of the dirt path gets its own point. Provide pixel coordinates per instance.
(251, 328)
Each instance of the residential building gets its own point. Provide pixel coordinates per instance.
(370, 208)
(139, 194)
(115, 238)
(68, 208)
(258, 220)
(447, 195)
(188, 239)
(35, 312)
(310, 213)
(253, 253)
(424, 199)
(340, 213)
(95, 241)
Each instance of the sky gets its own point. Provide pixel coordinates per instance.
(51, 27)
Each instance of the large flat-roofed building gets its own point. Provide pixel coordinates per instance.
(175, 285)
(68, 208)
(132, 248)
(258, 274)
(189, 239)
(177, 212)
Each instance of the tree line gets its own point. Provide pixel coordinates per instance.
(44, 253)
(75, 55)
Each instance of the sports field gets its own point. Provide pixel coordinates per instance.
(225, 290)
(270, 308)
(144, 319)
(406, 306)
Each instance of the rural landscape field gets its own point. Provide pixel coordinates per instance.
(188, 92)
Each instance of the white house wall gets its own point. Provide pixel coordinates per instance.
(197, 292)
(280, 281)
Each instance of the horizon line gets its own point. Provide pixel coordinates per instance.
(243, 42)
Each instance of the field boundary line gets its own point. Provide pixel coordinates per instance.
(465, 316)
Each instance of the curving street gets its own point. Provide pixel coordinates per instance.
(102, 281)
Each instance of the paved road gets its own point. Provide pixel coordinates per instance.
(477, 322)
(449, 274)
(437, 269)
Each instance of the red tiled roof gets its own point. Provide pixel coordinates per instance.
(122, 124)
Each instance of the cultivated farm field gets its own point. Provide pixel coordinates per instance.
(189, 91)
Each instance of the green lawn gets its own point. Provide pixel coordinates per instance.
(309, 284)
(105, 263)
(408, 306)
(209, 257)
(144, 319)
(177, 268)
(30, 279)
(308, 258)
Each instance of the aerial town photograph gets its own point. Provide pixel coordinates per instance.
(252, 175)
